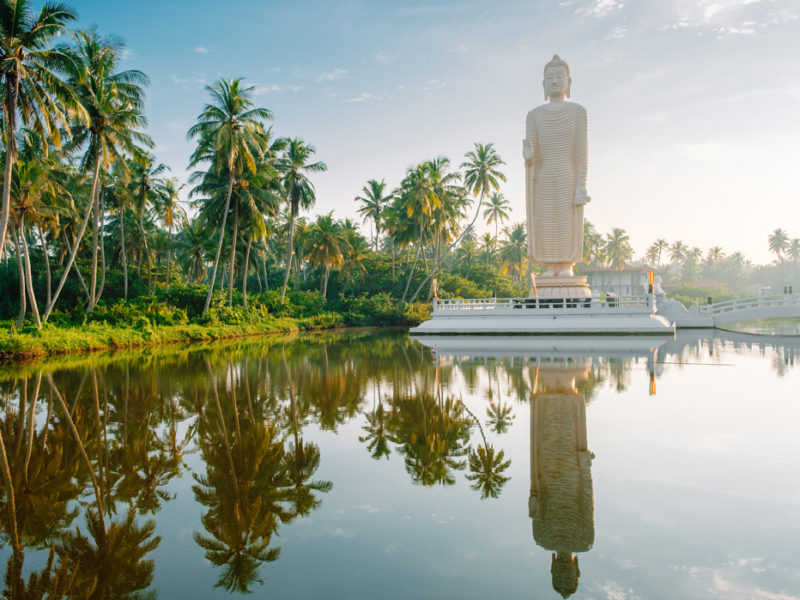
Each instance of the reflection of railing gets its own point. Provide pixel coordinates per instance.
(592, 304)
(756, 302)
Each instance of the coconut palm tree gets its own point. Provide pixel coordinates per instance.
(230, 133)
(325, 246)
(677, 252)
(482, 176)
(374, 202)
(778, 243)
(618, 248)
(113, 101)
(298, 189)
(147, 190)
(33, 90)
(497, 211)
(514, 251)
(171, 211)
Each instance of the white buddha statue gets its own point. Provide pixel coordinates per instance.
(555, 153)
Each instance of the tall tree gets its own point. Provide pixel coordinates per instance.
(496, 212)
(618, 248)
(374, 203)
(33, 90)
(230, 133)
(298, 189)
(113, 101)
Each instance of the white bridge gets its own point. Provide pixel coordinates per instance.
(749, 309)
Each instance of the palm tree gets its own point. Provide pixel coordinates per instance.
(481, 177)
(793, 252)
(147, 189)
(778, 243)
(715, 255)
(230, 133)
(488, 246)
(298, 189)
(32, 89)
(374, 202)
(660, 244)
(618, 248)
(677, 252)
(592, 244)
(497, 211)
(113, 101)
(171, 211)
(325, 243)
(514, 251)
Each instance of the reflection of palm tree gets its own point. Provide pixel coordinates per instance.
(377, 437)
(244, 487)
(431, 434)
(486, 466)
(500, 416)
(109, 563)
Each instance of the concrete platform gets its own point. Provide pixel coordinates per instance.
(535, 316)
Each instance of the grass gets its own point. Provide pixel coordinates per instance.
(29, 343)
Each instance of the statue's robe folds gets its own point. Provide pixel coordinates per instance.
(558, 168)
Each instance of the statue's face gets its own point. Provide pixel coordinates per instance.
(555, 82)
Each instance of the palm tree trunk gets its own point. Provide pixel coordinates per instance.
(32, 425)
(9, 485)
(77, 241)
(95, 247)
(393, 262)
(10, 114)
(325, 283)
(82, 449)
(124, 256)
(245, 269)
(29, 276)
(219, 245)
(23, 306)
(102, 250)
(289, 249)
(169, 251)
(411, 273)
(146, 248)
(46, 262)
(233, 251)
(266, 280)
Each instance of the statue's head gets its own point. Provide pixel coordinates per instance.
(556, 81)
(565, 572)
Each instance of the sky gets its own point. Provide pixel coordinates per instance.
(694, 105)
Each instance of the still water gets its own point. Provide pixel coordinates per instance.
(366, 464)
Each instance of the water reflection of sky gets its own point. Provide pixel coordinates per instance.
(694, 489)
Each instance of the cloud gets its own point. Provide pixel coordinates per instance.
(330, 75)
(711, 151)
(434, 84)
(201, 50)
(126, 53)
(266, 89)
(733, 17)
(601, 8)
(186, 81)
(460, 48)
(365, 96)
(617, 33)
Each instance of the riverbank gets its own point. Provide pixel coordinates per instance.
(52, 340)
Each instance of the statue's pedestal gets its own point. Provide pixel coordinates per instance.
(572, 286)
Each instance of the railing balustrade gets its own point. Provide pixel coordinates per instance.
(601, 303)
(728, 306)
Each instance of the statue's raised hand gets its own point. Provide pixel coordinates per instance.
(581, 197)
(527, 150)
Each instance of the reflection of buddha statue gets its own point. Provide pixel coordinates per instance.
(561, 503)
(555, 152)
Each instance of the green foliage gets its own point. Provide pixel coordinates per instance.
(689, 294)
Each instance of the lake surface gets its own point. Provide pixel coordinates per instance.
(365, 464)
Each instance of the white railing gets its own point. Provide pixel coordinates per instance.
(740, 304)
(601, 303)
